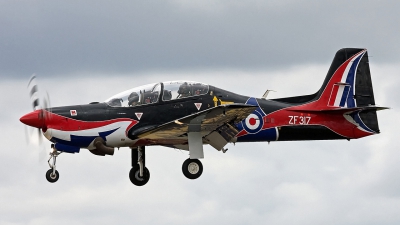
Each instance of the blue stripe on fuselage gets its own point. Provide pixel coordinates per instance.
(83, 141)
(263, 135)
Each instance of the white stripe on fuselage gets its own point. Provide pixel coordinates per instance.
(117, 139)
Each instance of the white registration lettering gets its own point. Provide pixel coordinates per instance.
(301, 120)
(291, 120)
(308, 119)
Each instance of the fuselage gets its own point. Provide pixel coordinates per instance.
(273, 120)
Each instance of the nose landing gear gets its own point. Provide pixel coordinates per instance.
(52, 174)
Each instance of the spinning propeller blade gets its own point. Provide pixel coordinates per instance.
(40, 102)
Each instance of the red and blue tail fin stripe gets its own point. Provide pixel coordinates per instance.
(345, 95)
(343, 92)
(351, 79)
(341, 96)
(339, 91)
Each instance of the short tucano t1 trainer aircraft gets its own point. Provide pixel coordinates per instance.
(187, 115)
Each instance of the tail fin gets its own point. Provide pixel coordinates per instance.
(348, 85)
(348, 82)
(347, 88)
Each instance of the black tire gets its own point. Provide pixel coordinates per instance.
(135, 177)
(192, 168)
(50, 177)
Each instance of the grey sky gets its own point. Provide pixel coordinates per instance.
(84, 52)
(60, 37)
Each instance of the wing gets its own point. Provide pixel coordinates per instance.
(214, 126)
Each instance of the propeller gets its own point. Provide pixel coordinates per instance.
(40, 102)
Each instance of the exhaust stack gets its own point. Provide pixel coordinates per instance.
(101, 148)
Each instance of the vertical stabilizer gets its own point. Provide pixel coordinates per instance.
(339, 87)
(348, 84)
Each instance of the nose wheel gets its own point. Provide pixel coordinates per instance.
(52, 175)
(192, 168)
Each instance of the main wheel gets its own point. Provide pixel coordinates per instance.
(192, 168)
(136, 179)
(52, 177)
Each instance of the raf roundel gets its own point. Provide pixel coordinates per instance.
(253, 123)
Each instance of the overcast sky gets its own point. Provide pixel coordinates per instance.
(84, 52)
(60, 37)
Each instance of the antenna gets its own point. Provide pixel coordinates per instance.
(266, 94)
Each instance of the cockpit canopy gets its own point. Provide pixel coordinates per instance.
(150, 93)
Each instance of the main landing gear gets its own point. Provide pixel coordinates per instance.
(139, 174)
(52, 174)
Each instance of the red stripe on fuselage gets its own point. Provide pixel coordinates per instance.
(58, 122)
(242, 133)
(334, 121)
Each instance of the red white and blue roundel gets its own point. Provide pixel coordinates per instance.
(254, 122)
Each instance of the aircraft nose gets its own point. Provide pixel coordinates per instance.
(33, 119)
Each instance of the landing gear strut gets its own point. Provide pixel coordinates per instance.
(52, 174)
(192, 168)
(139, 174)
